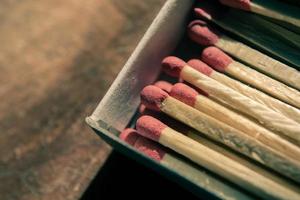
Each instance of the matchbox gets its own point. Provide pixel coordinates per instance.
(117, 110)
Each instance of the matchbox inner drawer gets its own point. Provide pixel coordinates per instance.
(117, 110)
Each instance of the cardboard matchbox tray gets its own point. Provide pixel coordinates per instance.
(117, 109)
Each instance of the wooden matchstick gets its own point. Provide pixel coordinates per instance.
(190, 171)
(256, 95)
(204, 35)
(271, 8)
(264, 35)
(155, 98)
(274, 121)
(212, 160)
(220, 61)
(192, 98)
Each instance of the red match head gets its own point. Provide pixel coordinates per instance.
(184, 93)
(201, 13)
(164, 85)
(150, 148)
(240, 4)
(150, 127)
(173, 66)
(200, 66)
(129, 135)
(216, 58)
(142, 109)
(199, 32)
(152, 97)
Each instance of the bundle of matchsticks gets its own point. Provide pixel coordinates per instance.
(235, 109)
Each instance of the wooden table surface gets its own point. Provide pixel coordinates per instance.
(57, 59)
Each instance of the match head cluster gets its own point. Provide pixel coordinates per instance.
(153, 96)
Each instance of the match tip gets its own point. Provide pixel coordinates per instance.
(164, 85)
(200, 66)
(152, 97)
(239, 4)
(184, 93)
(173, 65)
(199, 32)
(216, 58)
(142, 109)
(201, 13)
(150, 148)
(129, 135)
(150, 127)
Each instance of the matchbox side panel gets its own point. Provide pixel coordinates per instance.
(122, 99)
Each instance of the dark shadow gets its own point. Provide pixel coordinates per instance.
(123, 177)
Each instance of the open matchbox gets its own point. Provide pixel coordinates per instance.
(118, 108)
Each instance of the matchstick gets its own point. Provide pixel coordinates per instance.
(220, 61)
(204, 35)
(212, 160)
(274, 121)
(260, 33)
(192, 98)
(273, 9)
(192, 172)
(155, 98)
(256, 95)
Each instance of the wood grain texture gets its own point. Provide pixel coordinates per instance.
(231, 137)
(226, 167)
(256, 95)
(247, 126)
(268, 118)
(264, 83)
(260, 61)
(57, 60)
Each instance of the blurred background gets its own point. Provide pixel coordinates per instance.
(57, 59)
